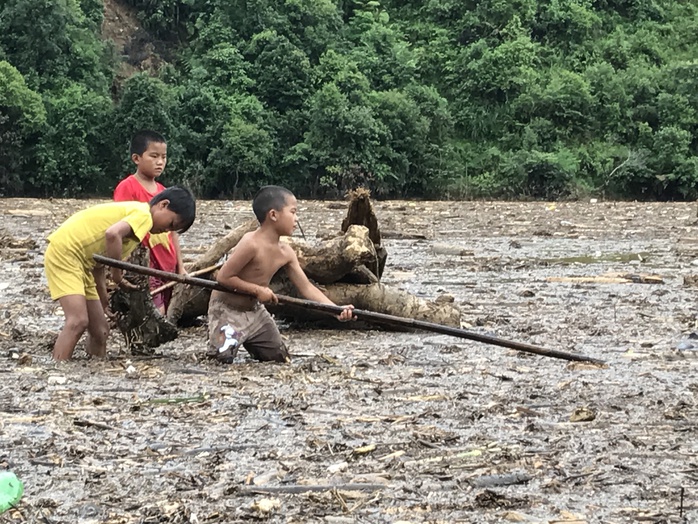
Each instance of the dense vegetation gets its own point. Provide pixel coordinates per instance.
(434, 98)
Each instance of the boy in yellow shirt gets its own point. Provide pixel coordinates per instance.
(114, 230)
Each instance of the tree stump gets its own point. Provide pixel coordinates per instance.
(360, 212)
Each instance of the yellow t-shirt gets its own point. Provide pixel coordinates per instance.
(84, 233)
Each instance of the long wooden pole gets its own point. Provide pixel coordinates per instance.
(173, 283)
(359, 313)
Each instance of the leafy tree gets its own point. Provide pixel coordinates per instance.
(242, 157)
(22, 118)
(52, 43)
(342, 139)
(282, 72)
(71, 151)
(504, 98)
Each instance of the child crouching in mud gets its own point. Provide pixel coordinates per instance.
(236, 320)
(114, 230)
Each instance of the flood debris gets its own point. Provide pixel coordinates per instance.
(422, 415)
(583, 414)
(141, 324)
(611, 278)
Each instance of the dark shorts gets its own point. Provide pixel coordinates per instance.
(255, 329)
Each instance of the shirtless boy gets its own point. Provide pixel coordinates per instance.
(236, 320)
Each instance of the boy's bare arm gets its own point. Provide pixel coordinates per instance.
(229, 274)
(114, 242)
(308, 290)
(300, 280)
(178, 252)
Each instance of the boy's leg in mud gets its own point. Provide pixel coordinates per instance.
(223, 342)
(97, 330)
(266, 344)
(76, 322)
(224, 331)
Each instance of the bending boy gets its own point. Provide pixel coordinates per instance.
(236, 320)
(149, 153)
(114, 230)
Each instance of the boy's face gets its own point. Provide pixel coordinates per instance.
(164, 219)
(153, 160)
(285, 219)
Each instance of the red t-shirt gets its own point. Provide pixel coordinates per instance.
(162, 254)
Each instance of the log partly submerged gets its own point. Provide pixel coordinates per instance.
(330, 265)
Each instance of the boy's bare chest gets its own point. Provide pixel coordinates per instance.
(265, 265)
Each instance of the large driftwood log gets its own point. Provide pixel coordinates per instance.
(141, 324)
(333, 260)
(373, 297)
(186, 298)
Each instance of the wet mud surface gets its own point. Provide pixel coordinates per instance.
(431, 428)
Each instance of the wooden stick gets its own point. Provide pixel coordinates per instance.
(359, 313)
(305, 488)
(173, 283)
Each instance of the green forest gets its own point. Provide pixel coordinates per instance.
(515, 99)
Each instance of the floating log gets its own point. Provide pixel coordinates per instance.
(376, 297)
(611, 278)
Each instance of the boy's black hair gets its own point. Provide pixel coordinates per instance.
(268, 198)
(181, 202)
(142, 139)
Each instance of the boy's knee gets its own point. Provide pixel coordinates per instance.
(269, 353)
(100, 332)
(77, 323)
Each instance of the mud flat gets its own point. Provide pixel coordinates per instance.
(370, 426)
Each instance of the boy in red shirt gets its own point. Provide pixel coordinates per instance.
(149, 153)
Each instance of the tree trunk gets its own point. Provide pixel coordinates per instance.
(333, 260)
(372, 297)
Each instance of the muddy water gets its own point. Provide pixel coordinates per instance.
(426, 418)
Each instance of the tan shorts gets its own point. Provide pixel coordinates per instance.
(66, 274)
(255, 329)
